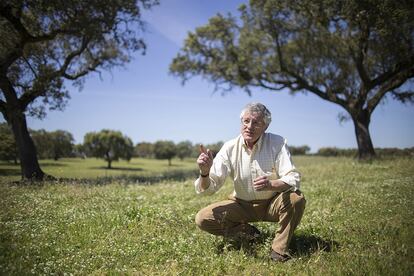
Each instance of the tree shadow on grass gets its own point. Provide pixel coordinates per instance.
(10, 172)
(52, 164)
(127, 169)
(126, 179)
(179, 175)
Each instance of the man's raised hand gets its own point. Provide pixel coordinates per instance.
(205, 160)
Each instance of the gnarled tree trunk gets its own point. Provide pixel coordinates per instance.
(27, 151)
(13, 112)
(361, 125)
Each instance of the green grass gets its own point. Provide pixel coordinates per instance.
(93, 168)
(359, 220)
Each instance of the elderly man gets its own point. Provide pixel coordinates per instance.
(266, 184)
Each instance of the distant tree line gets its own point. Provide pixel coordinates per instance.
(107, 144)
(112, 145)
(381, 152)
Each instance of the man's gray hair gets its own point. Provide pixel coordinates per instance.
(260, 109)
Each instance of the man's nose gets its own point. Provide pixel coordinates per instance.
(250, 125)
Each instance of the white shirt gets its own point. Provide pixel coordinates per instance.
(270, 156)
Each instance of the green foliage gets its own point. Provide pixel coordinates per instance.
(109, 145)
(184, 149)
(333, 151)
(53, 145)
(358, 221)
(47, 42)
(351, 53)
(299, 150)
(214, 147)
(92, 170)
(8, 149)
(144, 149)
(381, 152)
(79, 150)
(165, 150)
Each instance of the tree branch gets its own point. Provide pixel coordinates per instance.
(81, 73)
(3, 107)
(35, 92)
(302, 83)
(261, 83)
(399, 67)
(391, 84)
(26, 37)
(8, 90)
(359, 57)
(72, 55)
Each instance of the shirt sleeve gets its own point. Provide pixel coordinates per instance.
(218, 173)
(286, 170)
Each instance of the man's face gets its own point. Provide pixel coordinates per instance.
(252, 127)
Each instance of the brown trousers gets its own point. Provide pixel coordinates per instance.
(229, 217)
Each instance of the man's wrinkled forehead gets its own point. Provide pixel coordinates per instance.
(252, 114)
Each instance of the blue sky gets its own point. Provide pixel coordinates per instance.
(147, 104)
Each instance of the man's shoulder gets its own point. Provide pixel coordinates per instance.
(233, 142)
(273, 138)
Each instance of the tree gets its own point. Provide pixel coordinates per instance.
(144, 149)
(301, 150)
(184, 149)
(55, 144)
(129, 149)
(165, 150)
(80, 151)
(63, 144)
(8, 149)
(109, 145)
(42, 142)
(46, 44)
(215, 148)
(355, 53)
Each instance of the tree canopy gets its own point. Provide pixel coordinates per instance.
(352, 53)
(184, 149)
(54, 144)
(165, 150)
(109, 145)
(144, 149)
(47, 44)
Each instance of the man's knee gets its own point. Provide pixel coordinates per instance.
(201, 219)
(297, 200)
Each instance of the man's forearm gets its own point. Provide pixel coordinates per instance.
(204, 182)
(279, 186)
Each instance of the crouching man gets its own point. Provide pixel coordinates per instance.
(266, 184)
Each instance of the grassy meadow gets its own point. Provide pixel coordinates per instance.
(138, 219)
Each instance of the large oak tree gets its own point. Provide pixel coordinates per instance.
(354, 53)
(45, 44)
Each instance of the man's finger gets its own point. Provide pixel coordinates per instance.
(202, 149)
(210, 153)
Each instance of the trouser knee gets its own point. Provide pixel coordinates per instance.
(200, 220)
(298, 201)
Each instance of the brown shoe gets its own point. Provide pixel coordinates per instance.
(276, 257)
